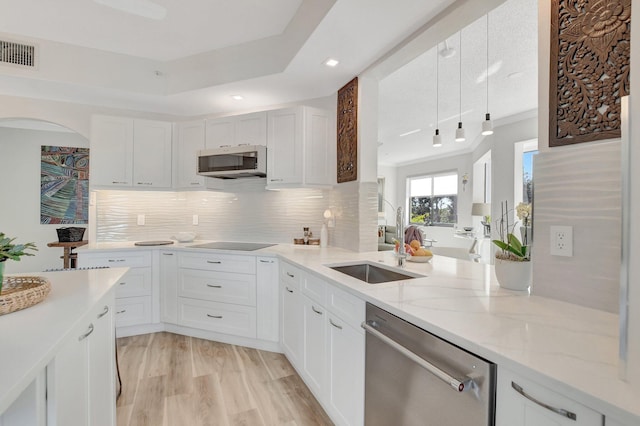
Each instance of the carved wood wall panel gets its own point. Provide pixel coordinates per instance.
(348, 132)
(590, 49)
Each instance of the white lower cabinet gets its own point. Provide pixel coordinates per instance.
(522, 402)
(267, 299)
(326, 320)
(168, 287)
(134, 291)
(81, 377)
(217, 292)
(291, 320)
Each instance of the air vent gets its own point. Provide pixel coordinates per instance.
(17, 54)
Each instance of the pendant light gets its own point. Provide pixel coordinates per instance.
(487, 125)
(437, 139)
(460, 131)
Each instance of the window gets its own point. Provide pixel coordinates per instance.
(433, 200)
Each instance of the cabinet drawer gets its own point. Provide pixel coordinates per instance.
(290, 275)
(346, 306)
(133, 311)
(115, 259)
(136, 282)
(513, 407)
(314, 288)
(220, 317)
(217, 286)
(218, 262)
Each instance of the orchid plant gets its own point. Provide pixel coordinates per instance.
(510, 245)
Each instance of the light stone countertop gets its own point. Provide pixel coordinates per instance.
(32, 336)
(568, 348)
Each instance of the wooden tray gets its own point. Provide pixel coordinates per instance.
(22, 292)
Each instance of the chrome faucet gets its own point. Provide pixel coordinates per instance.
(402, 254)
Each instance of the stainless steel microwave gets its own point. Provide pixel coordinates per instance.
(232, 162)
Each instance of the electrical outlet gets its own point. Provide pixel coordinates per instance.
(140, 219)
(195, 219)
(562, 241)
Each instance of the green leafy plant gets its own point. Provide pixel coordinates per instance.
(8, 250)
(510, 246)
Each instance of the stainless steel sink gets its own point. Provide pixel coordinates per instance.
(373, 274)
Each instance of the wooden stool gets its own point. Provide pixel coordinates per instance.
(69, 257)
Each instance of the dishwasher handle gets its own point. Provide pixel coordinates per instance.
(442, 375)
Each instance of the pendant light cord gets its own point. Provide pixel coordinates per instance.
(487, 80)
(437, 86)
(460, 80)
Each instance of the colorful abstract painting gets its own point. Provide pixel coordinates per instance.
(64, 185)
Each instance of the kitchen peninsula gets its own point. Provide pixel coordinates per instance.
(61, 349)
(566, 349)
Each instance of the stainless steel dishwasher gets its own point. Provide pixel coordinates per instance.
(416, 378)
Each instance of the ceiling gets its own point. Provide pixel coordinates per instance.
(408, 95)
(203, 52)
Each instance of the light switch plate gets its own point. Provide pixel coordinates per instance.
(195, 219)
(561, 240)
(140, 219)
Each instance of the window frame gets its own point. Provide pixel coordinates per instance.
(433, 177)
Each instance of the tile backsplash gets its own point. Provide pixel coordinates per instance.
(245, 211)
(579, 186)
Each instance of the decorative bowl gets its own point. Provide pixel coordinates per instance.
(185, 237)
(419, 259)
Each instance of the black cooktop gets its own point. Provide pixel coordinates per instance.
(226, 245)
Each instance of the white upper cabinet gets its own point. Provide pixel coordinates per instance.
(130, 153)
(189, 140)
(111, 151)
(151, 154)
(299, 148)
(246, 129)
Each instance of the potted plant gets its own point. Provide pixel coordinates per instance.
(513, 260)
(8, 250)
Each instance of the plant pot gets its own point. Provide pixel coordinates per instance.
(1, 275)
(514, 275)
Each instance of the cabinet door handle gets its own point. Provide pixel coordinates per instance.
(276, 180)
(115, 182)
(289, 274)
(214, 261)
(287, 288)
(85, 335)
(194, 183)
(144, 183)
(121, 312)
(313, 308)
(123, 283)
(214, 286)
(104, 312)
(339, 327)
(116, 260)
(266, 261)
(560, 411)
(215, 316)
(167, 254)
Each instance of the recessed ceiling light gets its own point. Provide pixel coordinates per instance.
(411, 132)
(331, 62)
(237, 97)
(144, 8)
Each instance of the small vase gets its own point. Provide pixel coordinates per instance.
(1, 275)
(514, 275)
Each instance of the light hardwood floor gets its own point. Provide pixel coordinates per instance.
(169, 379)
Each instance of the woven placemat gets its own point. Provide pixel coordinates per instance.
(22, 292)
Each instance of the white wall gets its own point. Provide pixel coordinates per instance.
(20, 194)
